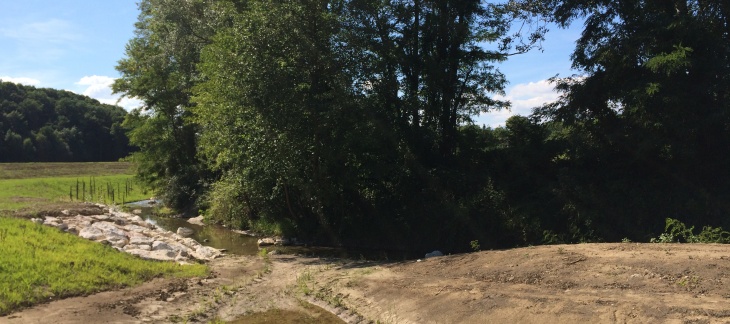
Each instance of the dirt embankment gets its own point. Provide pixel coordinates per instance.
(586, 283)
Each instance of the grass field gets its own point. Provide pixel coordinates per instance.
(38, 185)
(39, 262)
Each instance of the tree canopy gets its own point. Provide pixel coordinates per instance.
(48, 125)
(350, 121)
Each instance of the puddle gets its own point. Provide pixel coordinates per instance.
(312, 314)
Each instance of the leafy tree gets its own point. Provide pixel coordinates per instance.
(160, 69)
(652, 107)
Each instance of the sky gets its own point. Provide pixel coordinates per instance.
(75, 44)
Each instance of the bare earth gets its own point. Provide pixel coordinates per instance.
(585, 283)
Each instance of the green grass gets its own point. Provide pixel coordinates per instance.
(38, 263)
(34, 185)
(46, 170)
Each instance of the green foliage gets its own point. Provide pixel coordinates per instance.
(38, 263)
(676, 231)
(47, 125)
(475, 246)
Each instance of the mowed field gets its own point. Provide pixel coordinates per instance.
(38, 185)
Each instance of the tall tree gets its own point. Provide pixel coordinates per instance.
(654, 104)
(160, 69)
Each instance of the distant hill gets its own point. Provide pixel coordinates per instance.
(49, 125)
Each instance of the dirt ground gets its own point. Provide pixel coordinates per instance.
(585, 283)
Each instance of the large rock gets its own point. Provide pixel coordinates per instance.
(196, 220)
(159, 245)
(436, 253)
(141, 240)
(206, 253)
(161, 255)
(184, 231)
(91, 233)
(266, 241)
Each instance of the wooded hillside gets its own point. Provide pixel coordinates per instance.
(48, 125)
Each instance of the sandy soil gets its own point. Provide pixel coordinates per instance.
(585, 283)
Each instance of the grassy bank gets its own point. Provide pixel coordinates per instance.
(39, 185)
(38, 263)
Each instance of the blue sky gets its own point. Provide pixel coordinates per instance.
(75, 44)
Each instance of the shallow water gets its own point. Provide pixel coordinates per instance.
(312, 314)
(215, 236)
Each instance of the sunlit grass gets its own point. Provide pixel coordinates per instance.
(39, 262)
(34, 185)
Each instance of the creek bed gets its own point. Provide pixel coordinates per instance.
(213, 235)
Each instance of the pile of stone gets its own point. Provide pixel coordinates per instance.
(132, 234)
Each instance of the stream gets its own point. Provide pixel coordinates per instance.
(215, 236)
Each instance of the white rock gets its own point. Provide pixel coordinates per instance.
(37, 220)
(159, 245)
(436, 253)
(101, 217)
(154, 255)
(137, 219)
(91, 233)
(184, 231)
(206, 253)
(266, 241)
(197, 220)
(135, 228)
(141, 240)
(137, 247)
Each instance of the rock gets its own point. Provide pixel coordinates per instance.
(283, 241)
(196, 221)
(274, 252)
(137, 247)
(206, 253)
(135, 228)
(117, 241)
(51, 221)
(159, 245)
(37, 220)
(193, 244)
(101, 217)
(161, 255)
(62, 226)
(138, 220)
(266, 241)
(91, 233)
(435, 253)
(184, 231)
(65, 212)
(141, 240)
(73, 230)
(137, 211)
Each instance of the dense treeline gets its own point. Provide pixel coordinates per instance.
(350, 121)
(48, 125)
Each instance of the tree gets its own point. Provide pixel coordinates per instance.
(160, 69)
(653, 105)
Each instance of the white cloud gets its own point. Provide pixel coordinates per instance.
(21, 80)
(99, 88)
(524, 97)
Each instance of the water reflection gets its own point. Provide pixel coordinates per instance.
(215, 236)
